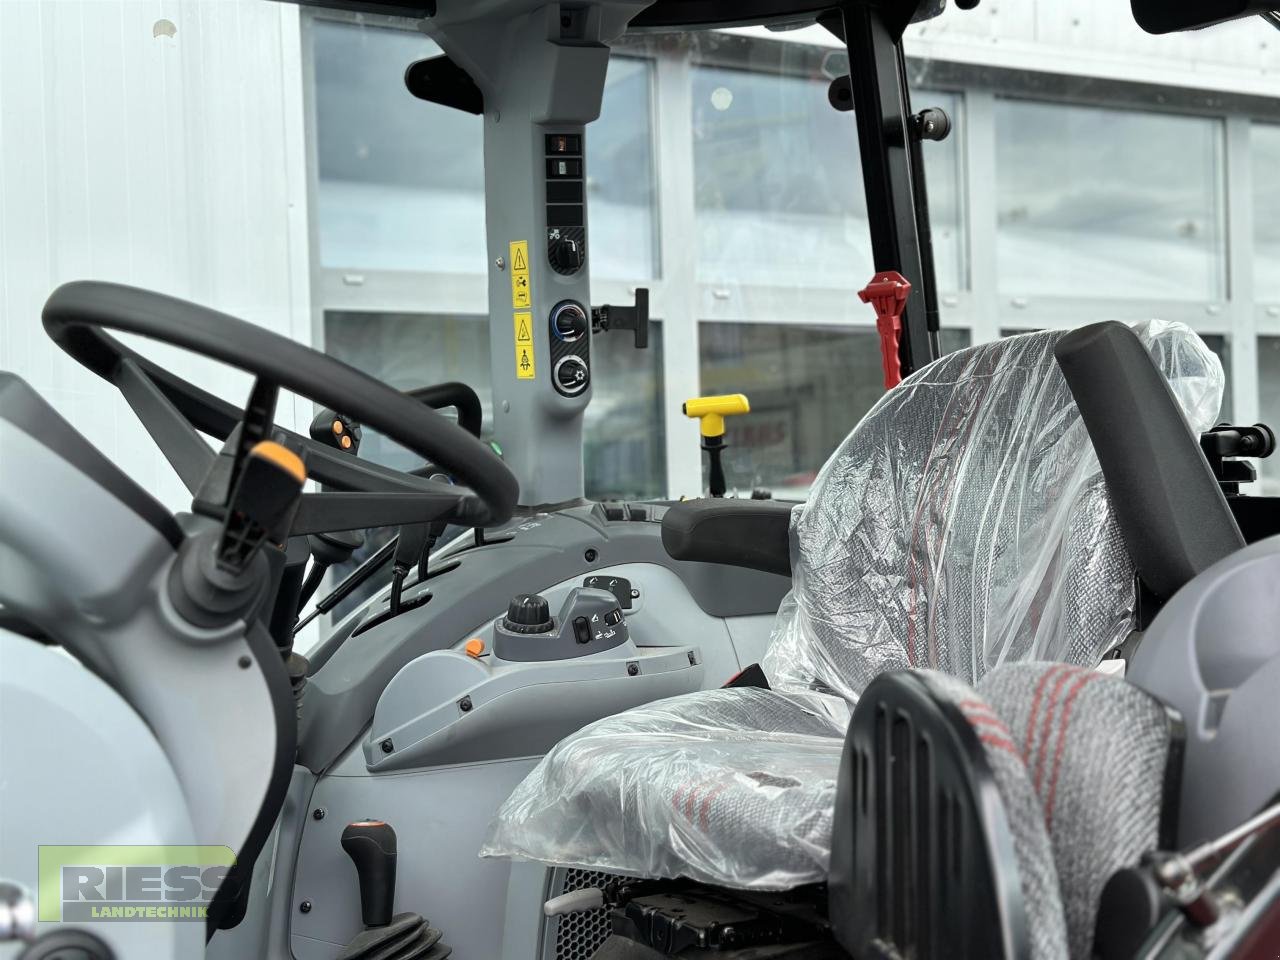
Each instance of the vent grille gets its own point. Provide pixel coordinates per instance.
(577, 936)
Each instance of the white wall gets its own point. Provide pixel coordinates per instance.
(170, 162)
(1096, 38)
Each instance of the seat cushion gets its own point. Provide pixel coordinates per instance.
(731, 787)
(737, 788)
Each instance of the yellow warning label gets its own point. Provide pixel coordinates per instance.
(520, 295)
(523, 323)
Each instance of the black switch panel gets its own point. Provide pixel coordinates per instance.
(566, 210)
(620, 587)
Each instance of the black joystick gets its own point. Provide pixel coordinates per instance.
(528, 613)
(371, 845)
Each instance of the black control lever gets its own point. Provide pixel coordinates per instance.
(371, 845)
(375, 562)
(267, 492)
(1225, 443)
(409, 546)
(327, 550)
(636, 319)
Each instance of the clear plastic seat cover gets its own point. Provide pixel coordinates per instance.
(963, 524)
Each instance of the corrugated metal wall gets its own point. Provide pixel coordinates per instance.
(1100, 38)
(157, 143)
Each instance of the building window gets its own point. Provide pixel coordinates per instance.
(401, 182)
(624, 432)
(809, 385)
(1096, 202)
(778, 182)
(1266, 213)
(1269, 408)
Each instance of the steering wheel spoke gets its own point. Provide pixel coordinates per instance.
(330, 512)
(187, 452)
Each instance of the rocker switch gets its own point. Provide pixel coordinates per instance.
(582, 630)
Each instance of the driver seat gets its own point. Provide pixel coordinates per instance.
(962, 531)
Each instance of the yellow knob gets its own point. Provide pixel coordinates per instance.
(711, 411)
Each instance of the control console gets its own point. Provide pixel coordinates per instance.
(543, 676)
(570, 347)
(589, 622)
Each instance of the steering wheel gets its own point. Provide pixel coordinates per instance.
(175, 412)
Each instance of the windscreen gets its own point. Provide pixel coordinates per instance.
(267, 160)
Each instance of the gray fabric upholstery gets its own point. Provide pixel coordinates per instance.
(1096, 750)
(1036, 867)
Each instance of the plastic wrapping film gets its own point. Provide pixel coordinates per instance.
(964, 523)
(731, 787)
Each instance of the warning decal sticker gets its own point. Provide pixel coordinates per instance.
(523, 323)
(520, 295)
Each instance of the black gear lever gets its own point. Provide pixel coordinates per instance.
(371, 845)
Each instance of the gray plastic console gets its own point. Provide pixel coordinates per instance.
(354, 665)
(589, 622)
(450, 707)
(1213, 653)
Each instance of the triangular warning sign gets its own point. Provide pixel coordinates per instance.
(519, 263)
(523, 333)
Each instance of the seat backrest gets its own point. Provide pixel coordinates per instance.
(965, 523)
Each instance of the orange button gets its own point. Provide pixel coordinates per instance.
(474, 647)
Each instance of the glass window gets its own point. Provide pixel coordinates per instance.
(1269, 409)
(1221, 346)
(1266, 211)
(401, 187)
(1108, 203)
(625, 434)
(778, 181)
(808, 386)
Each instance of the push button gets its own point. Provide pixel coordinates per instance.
(582, 630)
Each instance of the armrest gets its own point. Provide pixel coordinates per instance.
(755, 534)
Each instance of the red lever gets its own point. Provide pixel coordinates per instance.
(887, 293)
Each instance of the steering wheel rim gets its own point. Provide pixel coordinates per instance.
(77, 315)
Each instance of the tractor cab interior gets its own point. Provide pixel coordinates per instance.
(1002, 684)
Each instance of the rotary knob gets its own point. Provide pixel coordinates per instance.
(569, 321)
(571, 375)
(528, 613)
(566, 255)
